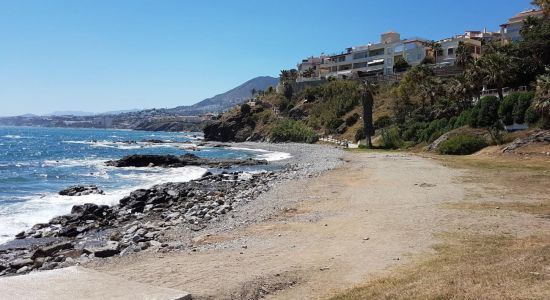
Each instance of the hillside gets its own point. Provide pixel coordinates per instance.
(225, 101)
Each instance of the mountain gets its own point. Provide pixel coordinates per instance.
(225, 101)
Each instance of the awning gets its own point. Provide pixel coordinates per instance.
(376, 61)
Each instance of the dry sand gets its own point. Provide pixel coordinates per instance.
(339, 229)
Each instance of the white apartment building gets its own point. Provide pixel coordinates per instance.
(510, 31)
(379, 59)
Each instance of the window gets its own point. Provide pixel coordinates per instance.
(398, 48)
(345, 67)
(360, 65)
(360, 55)
(376, 52)
(450, 52)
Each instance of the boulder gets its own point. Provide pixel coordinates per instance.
(21, 262)
(81, 190)
(110, 249)
(50, 250)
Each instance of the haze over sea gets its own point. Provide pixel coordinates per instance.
(36, 163)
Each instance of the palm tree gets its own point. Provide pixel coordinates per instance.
(436, 47)
(308, 73)
(473, 75)
(541, 101)
(464, 54)
(367, 101)
(497, 69)
(544, 5)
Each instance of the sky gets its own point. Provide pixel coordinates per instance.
(105, 55)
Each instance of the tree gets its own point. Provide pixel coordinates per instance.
(367, 101)
(401, 65)
(541, 102)
(544, 5)
(308, 73)
(485, 114)
(436, 48)
(473, 75)
(253, 92)
(498, 71)
(535, 42)
(464, 54)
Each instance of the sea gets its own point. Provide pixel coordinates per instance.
(36, 163)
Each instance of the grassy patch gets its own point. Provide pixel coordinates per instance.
(542, 208)
(469, 267)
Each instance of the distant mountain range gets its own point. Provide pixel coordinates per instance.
(163, 119)
(225, 101)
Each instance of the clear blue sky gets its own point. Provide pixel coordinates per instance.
(101, 55)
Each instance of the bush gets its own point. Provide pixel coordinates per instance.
(522, 104)
(359, 134)
(506, 108)
(245, 109)
(462, 145)
(352, 119)
(383, 121)
(390, 138)
(531, 116)
(513, 108)
(487, 114)
(293, 131)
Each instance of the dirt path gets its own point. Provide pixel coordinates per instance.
(349, 224)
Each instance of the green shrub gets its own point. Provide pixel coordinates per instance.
(488, 111)
(513, 108)
(390, 138)
(352, 119)
(531, 116)
(383, 121)
(245, 108)
(359, 134)
(462, 119)
(506, 108)
(522, 104)
(462, 145)
(293, 131)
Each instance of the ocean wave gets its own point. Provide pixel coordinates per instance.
(69, 163)
(265, 154)
(136, 145)
(12, 136)
(41, 208)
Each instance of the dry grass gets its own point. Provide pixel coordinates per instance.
(470, 267)
(475, 266)
(541, 209)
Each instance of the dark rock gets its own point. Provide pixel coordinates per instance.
(20, 235)
(172, 161)
(112, 248)
(21, 262)
(81, 190)
(50, 250)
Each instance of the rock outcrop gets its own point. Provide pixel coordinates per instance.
(137, 223)
(81, 190)
(540, 136)
(172, 161)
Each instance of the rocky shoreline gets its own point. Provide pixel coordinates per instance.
(154, 219)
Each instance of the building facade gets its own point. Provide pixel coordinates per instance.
(511, 30)
(376, 59)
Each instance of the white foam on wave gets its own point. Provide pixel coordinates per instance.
(40, 209)
(69, 163)
(265, 154)
(133, 146)
(12, 136)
